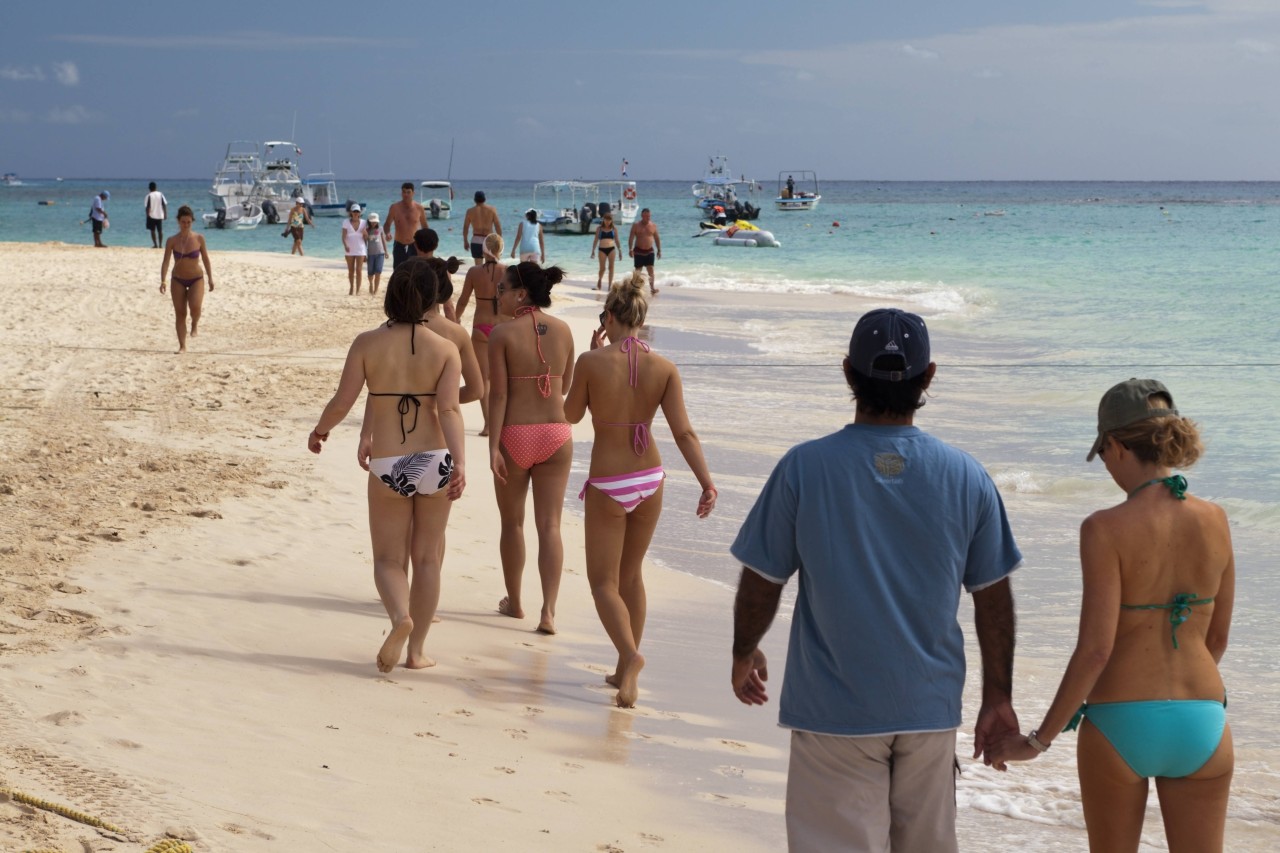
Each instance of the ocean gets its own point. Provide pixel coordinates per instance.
(1038, 295)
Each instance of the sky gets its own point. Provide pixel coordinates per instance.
(855, 89)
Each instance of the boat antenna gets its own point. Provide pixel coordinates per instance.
(449, 175)
(293, 133)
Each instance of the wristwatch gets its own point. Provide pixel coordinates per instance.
(1036, 743)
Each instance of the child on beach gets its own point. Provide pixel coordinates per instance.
(623, 384)
(417, 463)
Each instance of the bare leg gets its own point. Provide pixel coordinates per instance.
(195, 302)
(611, 259)
(600, 274)
(430, 515)
(1195, 807)
(652, 279)
(359, 274)
(615, 543)
(549, 481)
(511, 500)
(390, 519)
(178, 294)
(1113, 796)
(351, 275)
(480, 343)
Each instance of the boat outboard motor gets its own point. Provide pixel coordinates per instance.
(350, 204)
(605, 207)
(221, 220)
(435, 208)
(585, 216)
(270, 213)
(310, 212)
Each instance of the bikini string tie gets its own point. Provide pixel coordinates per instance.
(632, 347)
(1177, 485)
(543, 379)
(403, 408)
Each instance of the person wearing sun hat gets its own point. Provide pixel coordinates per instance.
(1143, 684)
(354, 231)
(375, 243)
(885, 525)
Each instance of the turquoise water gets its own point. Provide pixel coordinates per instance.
(1039, 296)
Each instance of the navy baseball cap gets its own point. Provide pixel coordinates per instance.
(889, 331)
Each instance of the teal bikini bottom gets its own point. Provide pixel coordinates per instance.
(1164, 737)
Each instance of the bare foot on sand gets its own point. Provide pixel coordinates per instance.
(547, 626)
(419, 662)
(613, 680)
(389, 654)
(505, 608)
(484, 432)
(629, 688)
(435, 619)
(653, 291)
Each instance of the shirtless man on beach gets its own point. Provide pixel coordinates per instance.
(407, 216)
(481, 220)
(643, 244)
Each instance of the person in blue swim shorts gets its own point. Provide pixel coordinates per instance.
(1159, 584)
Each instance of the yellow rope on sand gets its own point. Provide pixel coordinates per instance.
(65, 811)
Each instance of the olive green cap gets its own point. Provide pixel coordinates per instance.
(1127, 404)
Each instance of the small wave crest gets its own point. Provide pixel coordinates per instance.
(937, 298)
(1017, 482)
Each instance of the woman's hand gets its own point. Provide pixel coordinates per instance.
(707, 502)
(457, 481)
(364, 450)
(211, 282)
(498, 466)
(315, 441)
(597, 338)
(162, 285)
(1014, 747)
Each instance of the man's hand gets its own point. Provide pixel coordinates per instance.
(748, 677)
(996, 721)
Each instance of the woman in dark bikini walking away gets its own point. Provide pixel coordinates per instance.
(1143, 683)
(531, 363)
(606, 242)
(482, 282)
(416, 468)
(188, 251)
(623, 385)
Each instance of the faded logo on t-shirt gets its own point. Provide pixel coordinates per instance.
(889, 464)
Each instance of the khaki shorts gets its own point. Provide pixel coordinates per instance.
(872, 794)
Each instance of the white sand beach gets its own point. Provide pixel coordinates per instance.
(188, 622)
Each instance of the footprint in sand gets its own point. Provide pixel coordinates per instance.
(506, 770)
(650, 840)
(530, 711)
(571, 766)
(733, 744)
(65, 718)
(127, 744)
(466, 659)
(730, 771)
(426, 734)
(517, 734)
(562, 796)
(463, 712)
(721, 800)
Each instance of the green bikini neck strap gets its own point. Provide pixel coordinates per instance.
(1177, 486)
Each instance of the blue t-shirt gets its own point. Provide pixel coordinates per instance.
(884, 525)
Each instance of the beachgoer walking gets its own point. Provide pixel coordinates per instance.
(644, 245)
(375, 243)
(529, 240)
(354, 248)
(98, 217)
(1159, 586)
(482, 282)
(405, 218)
(884, 524)
(623, 384)
(299, 217)
(156, 207)
(425, 243)
(481, 221)
(531, 364)
(416, 466)
(189, 252)
(606, 242)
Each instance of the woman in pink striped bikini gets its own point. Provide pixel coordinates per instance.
(623, 384)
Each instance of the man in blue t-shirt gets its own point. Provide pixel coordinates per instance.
(884, 524)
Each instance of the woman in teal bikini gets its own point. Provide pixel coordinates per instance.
(1159, 584)
(623, 385)
(188, 252)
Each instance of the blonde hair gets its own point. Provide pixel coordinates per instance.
(627, 301)
(493, 245)
(1170, 440)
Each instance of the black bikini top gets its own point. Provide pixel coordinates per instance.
(406, 400)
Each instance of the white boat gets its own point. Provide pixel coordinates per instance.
(242, 216)
(718, 188)
(793, 195)
(279, 181)
(576, 205)
(11, 179)
(320, 191)
(437, 198)
(234, 180)
(620, 196)
(740, 233)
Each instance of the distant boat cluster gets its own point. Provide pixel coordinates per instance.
(262, 182)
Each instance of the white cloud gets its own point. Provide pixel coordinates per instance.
(74, 114)
(66, 73)
(245, 40)
(1255, 48)
(17, 73)
(917, 53)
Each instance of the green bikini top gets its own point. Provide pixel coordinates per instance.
(1180, 608)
